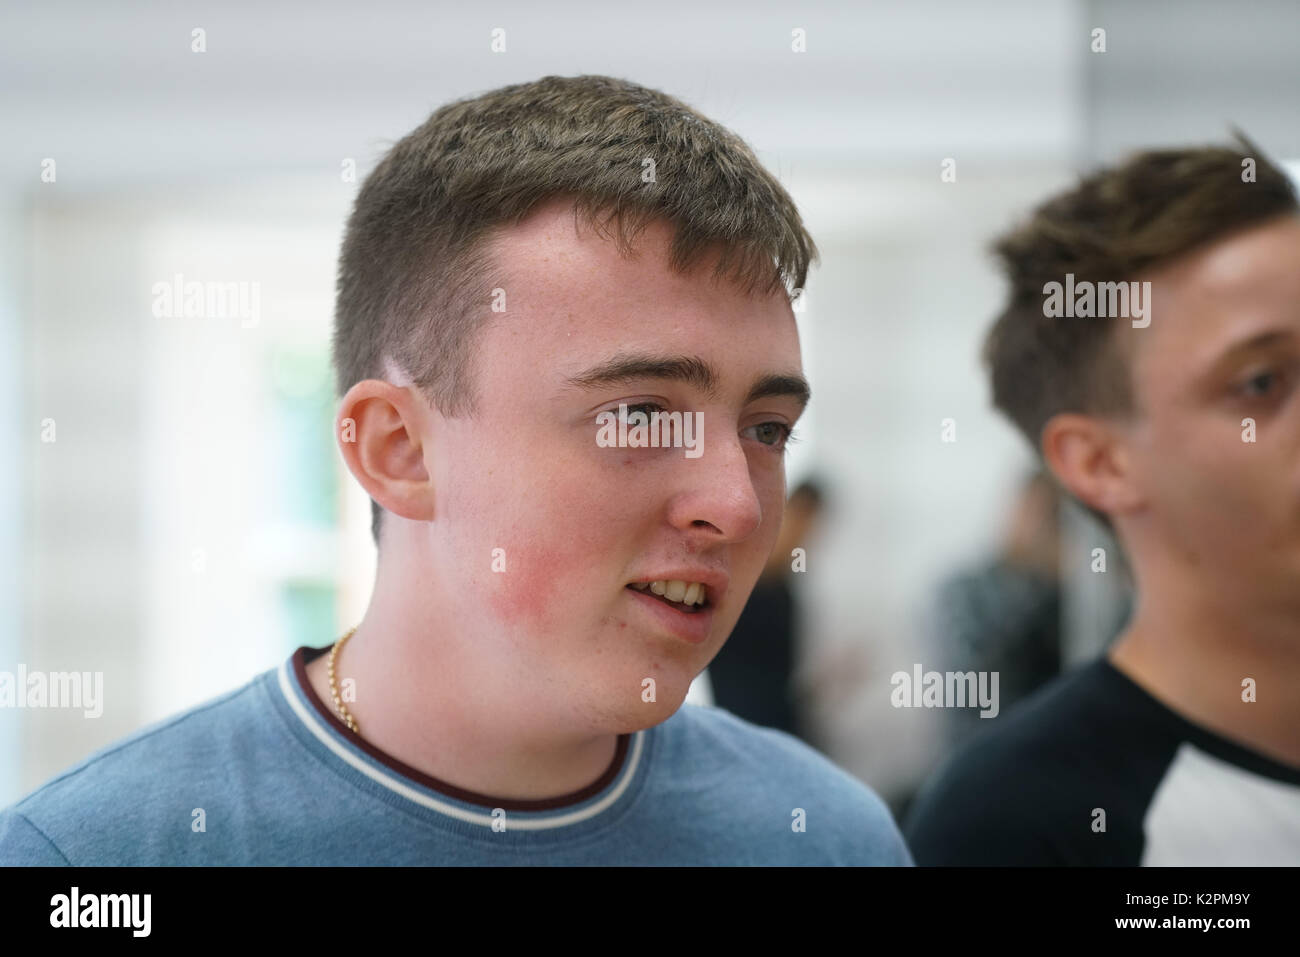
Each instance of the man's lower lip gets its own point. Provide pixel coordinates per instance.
(689, 626)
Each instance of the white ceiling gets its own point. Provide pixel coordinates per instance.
(116, 96)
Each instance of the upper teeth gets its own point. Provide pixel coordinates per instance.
(688, 593)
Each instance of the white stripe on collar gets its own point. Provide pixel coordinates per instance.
(518, 820)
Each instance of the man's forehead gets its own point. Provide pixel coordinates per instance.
(555, 255)
(1225, 294)
(1235, 266)
(597, 316)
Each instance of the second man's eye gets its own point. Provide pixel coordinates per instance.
(1261, 385)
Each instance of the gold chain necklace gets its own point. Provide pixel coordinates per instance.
(338, 703)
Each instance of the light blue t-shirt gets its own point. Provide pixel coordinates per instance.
(268, 775)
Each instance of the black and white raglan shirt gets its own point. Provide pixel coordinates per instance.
(1093, 770)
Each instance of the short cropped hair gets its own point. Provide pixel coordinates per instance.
(414, 270)
(1116, 223)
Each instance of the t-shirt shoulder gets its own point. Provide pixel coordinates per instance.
(129, 781)
(22, 843)
(751, 766)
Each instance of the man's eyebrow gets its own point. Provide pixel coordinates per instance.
(691, 370)
(1213, 368)
(1228, 356)
(622, 369)
(781, 385)
(1260, 341)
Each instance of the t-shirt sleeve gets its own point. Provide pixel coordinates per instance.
(23, 844)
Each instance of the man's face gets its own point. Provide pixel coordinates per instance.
(576, 522)
(1223, 346)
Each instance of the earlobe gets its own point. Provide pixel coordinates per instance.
(1088, 458)
(379, 435)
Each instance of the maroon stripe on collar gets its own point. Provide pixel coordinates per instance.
(304, 655)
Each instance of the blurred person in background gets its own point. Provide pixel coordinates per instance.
(1173, 414)
(1004, 616)
(753, 676)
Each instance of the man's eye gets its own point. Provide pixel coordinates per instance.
(646, 408)
(778, 432)
(1260, 386)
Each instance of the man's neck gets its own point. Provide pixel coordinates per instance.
(1194, 656)
(442, 717)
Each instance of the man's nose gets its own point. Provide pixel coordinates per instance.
(718, 490)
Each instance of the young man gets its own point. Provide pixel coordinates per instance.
(517, 270)
(1177, 420)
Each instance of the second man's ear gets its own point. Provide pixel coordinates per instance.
(1088, 457)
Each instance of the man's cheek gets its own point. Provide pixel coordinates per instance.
(528, 588)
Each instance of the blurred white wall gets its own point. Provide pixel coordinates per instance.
(896, 316)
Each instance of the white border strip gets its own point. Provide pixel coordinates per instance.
(327, 738)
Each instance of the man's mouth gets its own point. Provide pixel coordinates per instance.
(687, 597)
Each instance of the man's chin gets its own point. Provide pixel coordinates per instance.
(647, 714)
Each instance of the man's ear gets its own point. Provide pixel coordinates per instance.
(379, 429)
(1088, 457)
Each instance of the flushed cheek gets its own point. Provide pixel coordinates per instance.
(533, 592)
